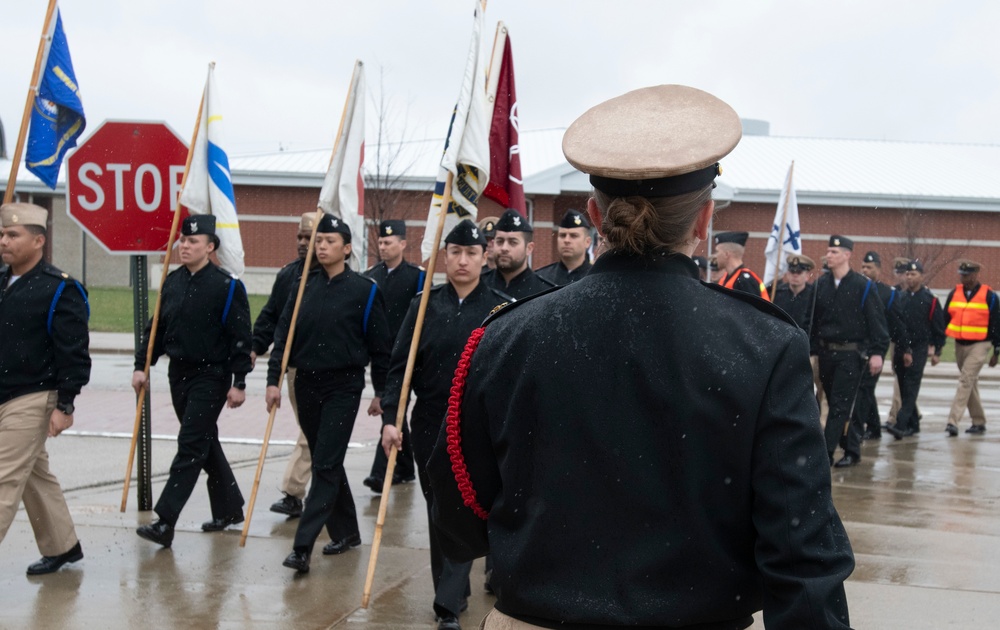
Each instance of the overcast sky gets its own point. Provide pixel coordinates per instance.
(919, 70)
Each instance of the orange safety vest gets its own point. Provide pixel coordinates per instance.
(970, 320)
(730, 282)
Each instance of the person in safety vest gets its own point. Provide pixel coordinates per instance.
(729, 249)
(971, 318)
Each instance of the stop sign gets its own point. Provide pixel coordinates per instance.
(122, 185)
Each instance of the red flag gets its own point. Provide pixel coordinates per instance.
(505, 186)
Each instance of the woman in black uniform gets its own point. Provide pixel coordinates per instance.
(640, 448)
(340, 329)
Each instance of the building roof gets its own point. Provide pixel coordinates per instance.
(840, 172)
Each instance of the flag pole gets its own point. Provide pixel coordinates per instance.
(15, 162)
(291, 329)
(405, 391)
(781, 231)
(140, 398)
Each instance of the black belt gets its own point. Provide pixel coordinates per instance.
(840, 347)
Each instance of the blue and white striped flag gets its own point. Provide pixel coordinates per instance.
(209, 185)
(57, 118)
(791, 235)
(467, 148)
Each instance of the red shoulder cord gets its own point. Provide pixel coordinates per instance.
(454, 427)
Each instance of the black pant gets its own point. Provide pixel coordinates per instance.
(404, 459)
(198, 394)
(328, 406)
(840, 372)
(866, 406)
(451, 579)
(909, 385)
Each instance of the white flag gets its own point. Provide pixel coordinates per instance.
(343, 193)
(467, 148)
(209, 185)
(791, 235)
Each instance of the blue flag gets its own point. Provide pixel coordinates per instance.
(57, 118)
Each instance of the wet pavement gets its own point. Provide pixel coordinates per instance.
(923, 515)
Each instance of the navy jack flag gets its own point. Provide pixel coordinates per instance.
(57, 118)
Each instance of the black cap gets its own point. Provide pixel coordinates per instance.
(701, 261)
(330, 224)
(392, 227)
(873, 257)
(512, 221)
(799, 262)
(574, 219)
(488, 226)
(841, 241)
(466, 233)
(899, 264)
(915, 265)
(967, 266)
(740, 238)
(198, 224)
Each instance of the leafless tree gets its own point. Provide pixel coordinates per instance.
(914, 245)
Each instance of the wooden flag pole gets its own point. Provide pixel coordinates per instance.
(404, 392)
(781, 230)
(291, 330)
(15, 162)
(140, 398)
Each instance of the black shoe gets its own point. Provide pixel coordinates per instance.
(159, 532)
(952, 430)
(374, 484)
(219, 524)
(898, 433)
(887, 425)
(976, 429)
(335, 547)
(449, 622)
(847, 461)
(289, 505)
(298, 560)
(398, 479)
(51, 564)
(869, 435)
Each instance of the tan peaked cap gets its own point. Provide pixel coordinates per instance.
(12, 214)
(306, 223)
(651, 133)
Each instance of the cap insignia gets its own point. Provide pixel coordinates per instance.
(517, 221)
(836, 242)
(194, 226)
(475, 233)
(577, 220)
(388, 229)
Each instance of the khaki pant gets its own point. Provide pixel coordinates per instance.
(25, 475)
(299, 469)
(970, 359)
(496, 620)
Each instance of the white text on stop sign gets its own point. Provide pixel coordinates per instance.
(90, 174)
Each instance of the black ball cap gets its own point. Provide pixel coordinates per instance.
(872, 257)
(574, 219)
(915, 265)
(466, 233)
(740, 238)
(512, 221)
(841, 241)
(392, 227)
(198, 224)
(330, 224)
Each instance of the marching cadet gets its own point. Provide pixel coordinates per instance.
(488, 226)
(899, 265)
(399, 281)
(665, 488)
(341, 327)
(850, 335)
(923, 318)
(866, 407)
(729, 250)
(204, 329)
(574, 242)
(298, 470)
(971, 317)
(795, 294)
(44, 362)
(513, 245)
(454, 310)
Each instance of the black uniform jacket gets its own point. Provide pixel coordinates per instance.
(43, 339)
(204, 320)
(398, 288)
(799, 307)
(850, 313)
(892, 300)
(285, 284)
(447, 325)
(924, 319)
(559, 275)
(524, 284)
(993, 330)
(656, 461)
(341, 326)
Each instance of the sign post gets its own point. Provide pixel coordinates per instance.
(122, 187)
